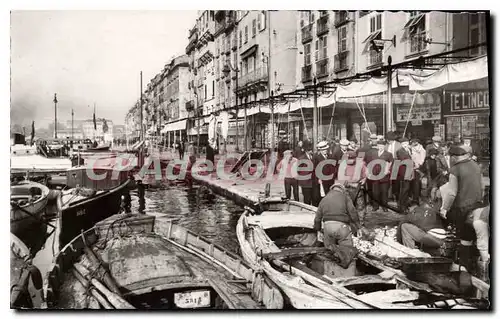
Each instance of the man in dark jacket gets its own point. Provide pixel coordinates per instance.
(404, 154)
(299, 150)
(321, 184)
(464, 194)
(306, 182)
(340, 219)
(379, 176)
(424, 227)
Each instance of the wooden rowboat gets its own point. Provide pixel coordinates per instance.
(25, 279)
(280, 240)
(28, 203)
(153, 264)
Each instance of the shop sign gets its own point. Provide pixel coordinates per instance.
(418, 112)
(466, 102)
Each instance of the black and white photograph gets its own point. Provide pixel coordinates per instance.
(250, 159)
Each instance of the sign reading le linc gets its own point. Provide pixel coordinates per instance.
(467, 102)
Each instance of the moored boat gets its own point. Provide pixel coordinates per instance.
(25, 279)
(152, 264)
(28, 203)
(280, 239)
(90, 199)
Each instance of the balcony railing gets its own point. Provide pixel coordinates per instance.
(322, 67)
(375, 58)
(259, 74)
(340, 61)
(417, 42)
(306, 73)
(322, 25)
(307, 33)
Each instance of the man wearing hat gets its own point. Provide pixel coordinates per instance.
(353, 144)
(340, 152)
(464, 195)
(418, 156)
(326, 178)
(368, 146)
(285, 167)
(404, 155)
(436, 144)
(393, 145)
(306, 183)
(379, 175)
(473, 149)
(340, 220)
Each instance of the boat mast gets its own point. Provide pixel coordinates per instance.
(55, 115)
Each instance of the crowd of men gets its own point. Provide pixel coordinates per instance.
(452, 195)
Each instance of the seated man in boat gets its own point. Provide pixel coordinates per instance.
(340, 220)
(424, 228)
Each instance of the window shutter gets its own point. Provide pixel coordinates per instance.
(301, 23)
(259, 22)
(316, 51)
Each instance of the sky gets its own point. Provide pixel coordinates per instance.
(88, 57)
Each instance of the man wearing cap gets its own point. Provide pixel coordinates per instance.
(286, 168)
(472, 149)
(340, 219)
(425, 227)
(352, 173)
(324, 179)
(464, 195)
(305, 165)
(436, 144)
(379, 175)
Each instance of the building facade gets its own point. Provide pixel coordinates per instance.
(239, 58)
(103, 132)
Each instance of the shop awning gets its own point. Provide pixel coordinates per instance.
(451, 73)
(175, 126)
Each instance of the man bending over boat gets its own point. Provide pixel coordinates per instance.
(340, 220)
(424, 227)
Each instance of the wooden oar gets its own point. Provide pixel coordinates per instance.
(341, 293)
(115, 299)
(85, 283)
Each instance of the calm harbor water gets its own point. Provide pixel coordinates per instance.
(211, 216)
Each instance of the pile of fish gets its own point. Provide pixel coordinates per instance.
(382, 242)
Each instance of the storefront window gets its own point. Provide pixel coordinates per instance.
(476, 126)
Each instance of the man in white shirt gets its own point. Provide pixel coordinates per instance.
(418, 156)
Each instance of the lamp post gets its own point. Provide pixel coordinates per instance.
(227, 70)
(55, 115)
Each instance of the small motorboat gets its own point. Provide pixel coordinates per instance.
(26, 285)
(28, 202)
(279, 239)
(137, 261)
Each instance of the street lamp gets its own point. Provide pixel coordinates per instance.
(55, 115)
(227, 70)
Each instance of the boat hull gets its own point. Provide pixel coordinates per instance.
(84, 214)
(177, 260)
(27, 219)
